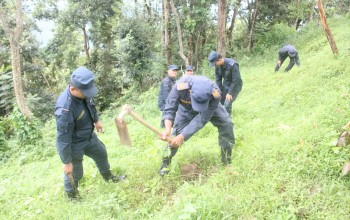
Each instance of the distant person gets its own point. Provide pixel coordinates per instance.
(227, 77)
(191, 104)
(287, 51)
(167, 83)
(189, 70)
(76, 119)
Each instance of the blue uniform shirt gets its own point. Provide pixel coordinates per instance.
(165, 88)
(228, 78)
(75, 120)
(180, 97)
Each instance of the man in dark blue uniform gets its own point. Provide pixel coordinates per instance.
(165, 87)
(193, 102)
(76, 118)
(287, 51)
(189, 70)
(227, 77)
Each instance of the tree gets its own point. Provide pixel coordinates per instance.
(252, 23)
(179, 33)
(325, 27)
(221, 34)
(13, 28)
(166, 32)
(233, 20)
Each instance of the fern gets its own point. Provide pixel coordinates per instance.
(6, 91)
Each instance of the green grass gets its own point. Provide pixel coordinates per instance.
(285, 164)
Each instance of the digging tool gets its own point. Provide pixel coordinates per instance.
(72, 182)
(123, 130)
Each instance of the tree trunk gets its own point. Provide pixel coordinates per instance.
(166, 35)
(251, 31)
(14, 35)
(135, 8)
(179, 33)
(325, 27)
(147, 9)
(17, 79)
(232, 26)
(86, 43)
(221, 34)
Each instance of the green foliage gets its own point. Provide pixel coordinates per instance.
(285, 164)
(134, 50)
(270, 36)
(27, 131)
(3, 142)
(6, 91)
(42, 106)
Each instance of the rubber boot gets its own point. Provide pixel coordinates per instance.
(109, 176)
(164, 168)
(74, 194)
(226, 156)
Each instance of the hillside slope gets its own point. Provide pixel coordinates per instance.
(285, 164)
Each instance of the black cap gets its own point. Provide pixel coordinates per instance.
(173, 67)
(83, 79)
(292, 53)
(201, 93)
(212, 58)
(189, 68)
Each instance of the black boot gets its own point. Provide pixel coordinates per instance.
(109, 176)
(226, 156)
(164, 168)
(73, 195)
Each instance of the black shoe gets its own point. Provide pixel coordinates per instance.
(164, 168)
(73, 195)
(109, 176)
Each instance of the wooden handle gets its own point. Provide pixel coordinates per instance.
(145, 123)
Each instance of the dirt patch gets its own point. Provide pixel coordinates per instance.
(190, 172)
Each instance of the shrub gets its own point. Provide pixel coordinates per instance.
(27, 131)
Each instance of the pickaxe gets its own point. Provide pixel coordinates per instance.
(123, 129)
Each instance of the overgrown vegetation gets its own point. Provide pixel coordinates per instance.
(285, 164)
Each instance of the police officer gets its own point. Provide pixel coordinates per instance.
(165, 87)
(76, 118)
(287, 51)
(227, 77)
(189, 70)
(195, 100)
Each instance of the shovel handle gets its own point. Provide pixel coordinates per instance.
(145, 123)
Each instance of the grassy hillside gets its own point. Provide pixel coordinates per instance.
(285, 164)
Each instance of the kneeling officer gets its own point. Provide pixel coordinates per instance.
(76, 118)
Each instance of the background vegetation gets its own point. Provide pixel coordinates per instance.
(285, 166)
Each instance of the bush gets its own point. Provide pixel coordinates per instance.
(3, 143)
(27, 131)
(276, 35)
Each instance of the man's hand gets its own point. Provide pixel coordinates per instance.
(177, 141)
(163, 135)
(229, 98)
(99, 127)
(279, 62)
(67, 168)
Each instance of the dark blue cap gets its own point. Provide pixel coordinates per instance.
(212, 58)
(173, 67)
(83, 79)
(292, 53)
(189, 68)
(201, 93)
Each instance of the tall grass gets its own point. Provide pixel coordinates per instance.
(285, 164)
